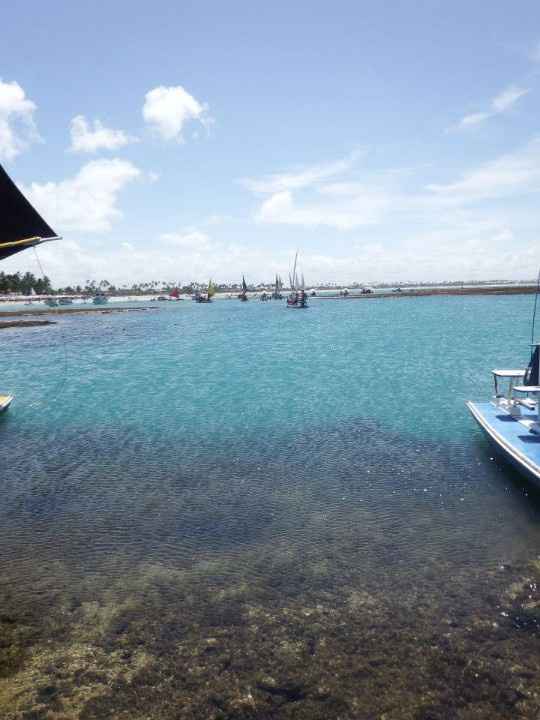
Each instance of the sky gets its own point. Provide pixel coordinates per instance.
(177, 141)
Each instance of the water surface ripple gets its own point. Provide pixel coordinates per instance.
(237, 511)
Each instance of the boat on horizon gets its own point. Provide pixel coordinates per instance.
(278, 284)
(243, 294)
(297, 298)
(100, 299)
(511, 419)
(206, 296)
(65, 301)
(30, 301)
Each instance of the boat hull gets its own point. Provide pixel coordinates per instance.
(5, 402)
(514, 442)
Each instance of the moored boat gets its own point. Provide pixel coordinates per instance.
(276, 294)
(205, 297)
(511, 419)
(100, 299)
(32, 295)
(243, 295)
(297, 297)
(5, 402)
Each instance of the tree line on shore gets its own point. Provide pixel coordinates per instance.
(24, 284)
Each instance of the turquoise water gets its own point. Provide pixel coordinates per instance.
(195, 469)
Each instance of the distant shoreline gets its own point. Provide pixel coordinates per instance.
(427, 292)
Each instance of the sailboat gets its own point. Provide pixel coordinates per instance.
(100, 298)
(276, 295)
(297, 298)
(32, 295)
(21, 227)
(511, 420)
(243, 295)
(205, 297)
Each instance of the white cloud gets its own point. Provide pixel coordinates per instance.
(451, 252)
(474, 119)
(513, 173)
(87, 201)
(189, 239)
(395, 229)
(168, 109)
(302, 178)
(153, 177)
(17, 127)
(346, 205)
(502, 102)
(361, 209)
(85, 138)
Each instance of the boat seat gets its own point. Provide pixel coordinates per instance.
(526, 402)
(509, 373)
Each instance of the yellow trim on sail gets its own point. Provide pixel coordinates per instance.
(14, 243)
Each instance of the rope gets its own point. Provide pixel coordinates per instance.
(61, 383)
(535, 306)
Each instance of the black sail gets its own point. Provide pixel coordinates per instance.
(21, 226)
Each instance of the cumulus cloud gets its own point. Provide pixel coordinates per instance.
(344, 205)
(361, 209)
(88, 138)
(87, 201)
(499, 104)
(17, 127)
(168, 109)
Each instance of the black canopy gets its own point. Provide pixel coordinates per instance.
(21, 226)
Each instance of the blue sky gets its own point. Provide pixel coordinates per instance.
(174, 141)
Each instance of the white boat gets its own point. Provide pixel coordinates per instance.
(5, 402)
(297, 298)
(32, 295)
(511, 419)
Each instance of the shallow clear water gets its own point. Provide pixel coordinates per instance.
(197, 469)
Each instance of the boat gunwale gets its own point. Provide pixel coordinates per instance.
(520, 459)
